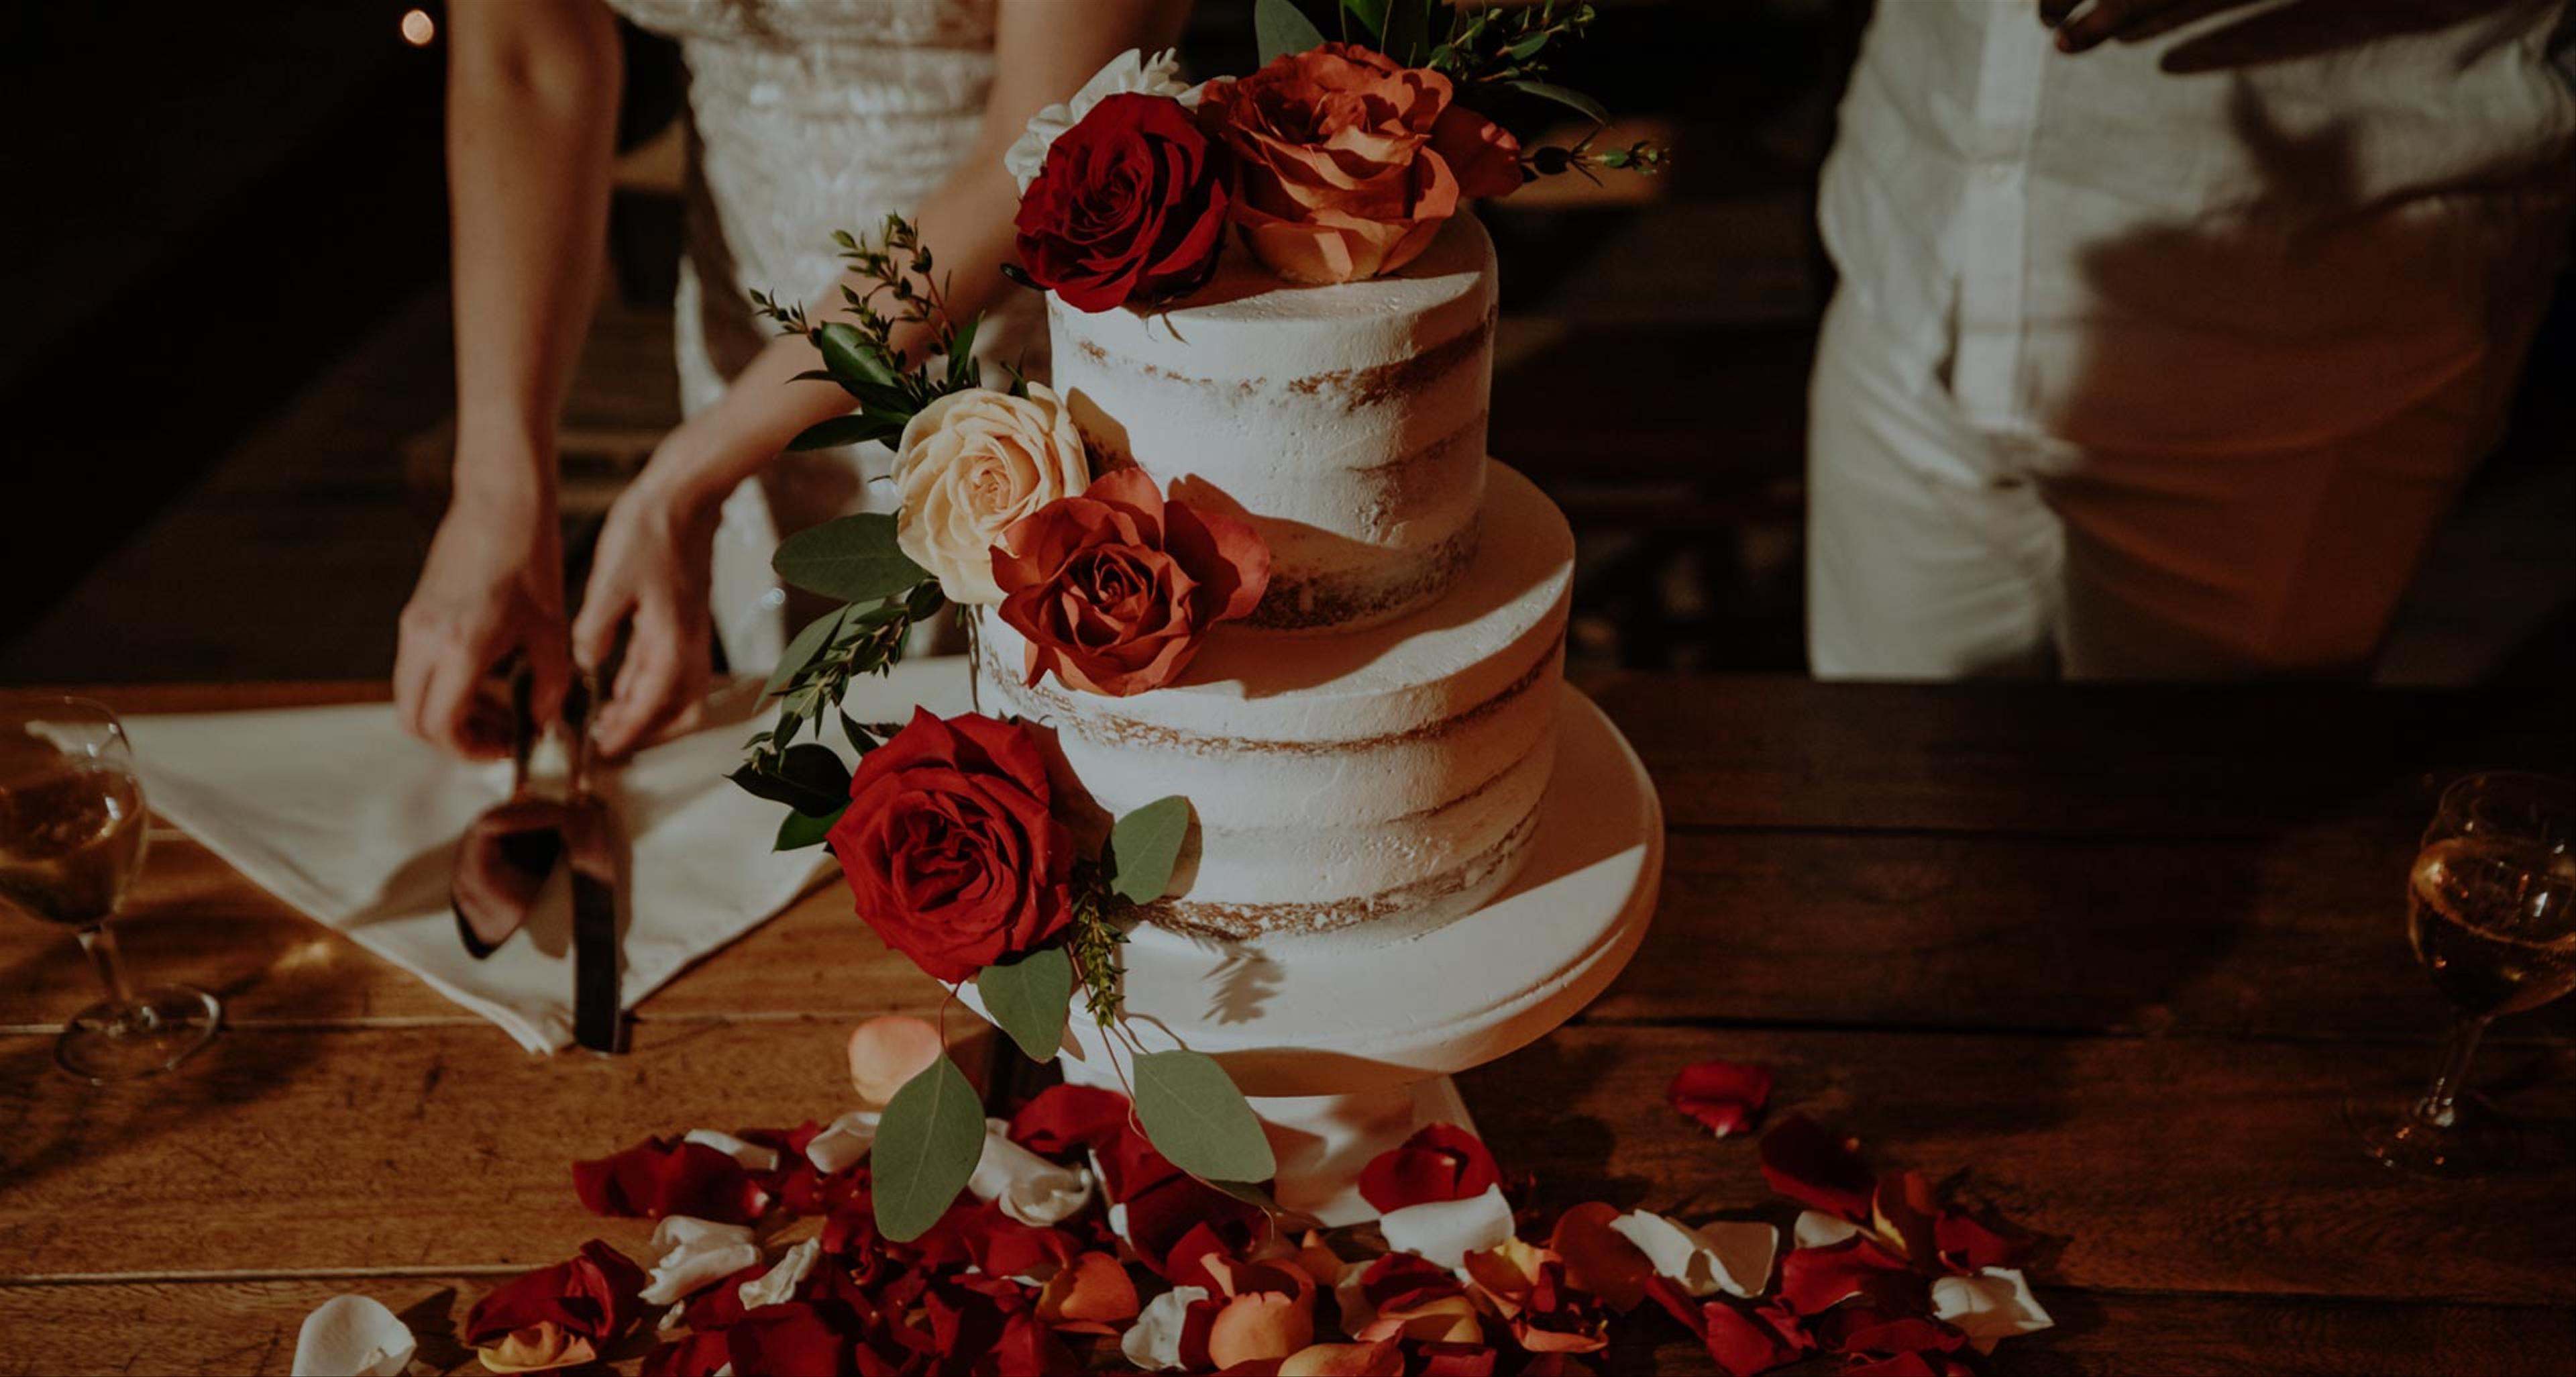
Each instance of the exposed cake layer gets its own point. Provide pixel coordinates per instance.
(1347, 421)
(1387, 776)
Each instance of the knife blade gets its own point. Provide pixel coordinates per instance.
(596, 848)
(508, 850)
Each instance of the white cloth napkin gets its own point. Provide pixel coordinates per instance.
(340, 814)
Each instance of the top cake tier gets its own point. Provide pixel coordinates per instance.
(1347, 422)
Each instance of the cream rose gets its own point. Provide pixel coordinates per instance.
(969, 465)
(1130, 71)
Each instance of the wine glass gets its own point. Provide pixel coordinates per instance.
(2491, 911)
(72, 829)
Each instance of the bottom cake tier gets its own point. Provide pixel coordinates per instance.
(1369, 785)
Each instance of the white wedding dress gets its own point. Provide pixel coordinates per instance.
(807, 116)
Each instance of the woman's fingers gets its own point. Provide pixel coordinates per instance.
(646, 688)
(2053, 12)
(447, 705)
(594, 632)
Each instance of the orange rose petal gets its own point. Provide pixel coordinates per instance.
(1450, 1319)
(1261, 1325)
(539, 1348)
(1320, 1263)
(887, 1051)
(1383, 1359)
(1599, 1261)
(1093, 1296)
(1503, 1277)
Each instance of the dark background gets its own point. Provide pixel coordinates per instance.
(227, 387)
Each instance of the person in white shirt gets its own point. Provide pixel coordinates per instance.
(2167, 329)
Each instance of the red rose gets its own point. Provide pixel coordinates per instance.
(949, 847)
(1348, 164)
(560, 1316)
(1131, 203)
(1115, 589)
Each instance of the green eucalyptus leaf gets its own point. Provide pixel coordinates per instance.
(1370, 13)
(1029, 997)
(856, 428)
(796, 831)
(1572, 100)
(851, 558)
(1193, 1115)
(1282, 29)
(1144, 846)
(924, 601)
(852, 357)
(809, 642)
(928, 1142)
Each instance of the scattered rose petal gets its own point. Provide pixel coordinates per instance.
(1440, 1162)
(1031, 1189)
(1384, 1359)
(352, 1336)
(665, 1176)
(1995, 1304)
(1259, 1325)
(1902, 1210)
(1858, 1329)
(778, 1285)
(1317, 1259)
(809, 1340)
(693, 1254)
(1507, 1274)
(1743, 1343)
(888, 1050)
(1599, 1260)
(1091, 1295)
(702, 1354)
(1154, 1341)
(1445, 1231)
(1458, 1360)
(558, 1316)
(752, 1156)
(1811, 1166)
(1817, 1229)
(1407, 1297)
(1968, 1243)
(1726, 1096)
(1814, 1280)
(844, 1143)
(1733, 1256)
(1911, 1365)
(1068, 1118)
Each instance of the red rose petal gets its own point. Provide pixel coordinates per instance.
(590, 1296)
(1912, 1365)
(1438, 1163)
(664, 1176)
(1599, 1259)
(1970, 1244)
(1904, 1208)
(1062, 1120)
(1809, 1165)
(1727, 1096)
(1813, 1280)
(696, 1355)
(803, 1339)
(1743, 1344)
(1455, 1360)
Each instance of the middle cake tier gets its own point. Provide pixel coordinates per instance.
(1371, 783)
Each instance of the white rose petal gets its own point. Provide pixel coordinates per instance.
(352, 1336)
(1032, 1189)
(1993, 1305)
(1154, 1341)
(1130, 71)
(1733, 1256)
(695, 1254)
(777, 1286)
(971, 464)
(1118, 1223)
(844, 1143)
(753, 1156)
(1445, 1231)
(1817, 1229)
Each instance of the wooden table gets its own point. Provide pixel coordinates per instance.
(2116, 955)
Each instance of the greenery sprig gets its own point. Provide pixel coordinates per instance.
(904, 288)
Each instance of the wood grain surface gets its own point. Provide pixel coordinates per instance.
(2111, 959)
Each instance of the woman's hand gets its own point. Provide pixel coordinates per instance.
(492, 588)
(651, 576)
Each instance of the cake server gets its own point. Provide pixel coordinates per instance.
(595, 844)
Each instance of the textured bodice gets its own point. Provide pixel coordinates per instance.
(809, 116)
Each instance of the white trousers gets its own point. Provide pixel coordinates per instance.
(1936, 550)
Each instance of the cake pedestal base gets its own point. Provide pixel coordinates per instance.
(1345, 1048)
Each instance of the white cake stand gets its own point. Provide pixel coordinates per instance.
(1346, 1049)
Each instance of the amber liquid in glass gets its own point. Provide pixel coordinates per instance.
(71, 833)
(2489, 920)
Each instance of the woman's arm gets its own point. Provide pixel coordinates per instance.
(532, 92)
(1043, 51)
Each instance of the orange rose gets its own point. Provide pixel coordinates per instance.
(1349, 164)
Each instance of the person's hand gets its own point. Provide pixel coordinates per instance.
(492, 588)
(2104, 20)
(650, 576)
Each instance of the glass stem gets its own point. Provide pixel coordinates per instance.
(103, 958)
(2437, 1106)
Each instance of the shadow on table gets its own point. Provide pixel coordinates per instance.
(60, 1122)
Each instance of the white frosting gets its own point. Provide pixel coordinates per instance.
(1347, 421)
(1338, 774)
